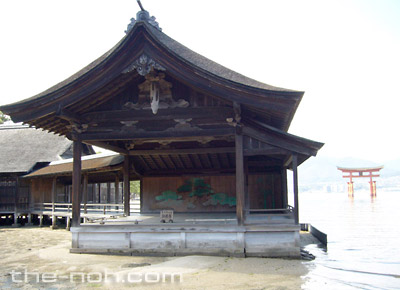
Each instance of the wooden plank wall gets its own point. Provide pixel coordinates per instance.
(265, 192)
(41, 190)
(189, 194)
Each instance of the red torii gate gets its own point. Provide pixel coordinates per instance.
(361, 172)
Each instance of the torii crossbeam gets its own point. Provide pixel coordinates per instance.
(361, 172)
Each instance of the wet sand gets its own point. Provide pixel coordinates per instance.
(39, 258)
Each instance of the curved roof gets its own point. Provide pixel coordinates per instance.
(207, 64)
(213, 76)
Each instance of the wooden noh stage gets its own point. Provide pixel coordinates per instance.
(206, 142)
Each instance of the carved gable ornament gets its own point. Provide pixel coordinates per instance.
(155, 93)
(143, 65)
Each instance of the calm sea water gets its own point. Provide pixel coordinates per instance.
(363, 240)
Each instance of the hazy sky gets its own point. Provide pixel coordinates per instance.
(344, 54)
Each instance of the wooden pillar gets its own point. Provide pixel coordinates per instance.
(284, 188)
(76, 183)
(117, 190)
(126, 187)
(40, 220)
(29, 220)
(99, 192)
(108, 192)
(85, 192)
(240, 180)
(68, 223)
(246, 185)
(16, 189)
(141, 195)
(295, 189)
(53, 205)
(30, 205)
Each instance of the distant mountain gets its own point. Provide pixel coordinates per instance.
(322, 169)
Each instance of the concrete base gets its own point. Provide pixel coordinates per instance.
(176, 240)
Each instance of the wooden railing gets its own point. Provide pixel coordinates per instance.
(89, 208)
(275, 215)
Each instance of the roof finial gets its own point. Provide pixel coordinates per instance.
(140, 5)
(143, 16)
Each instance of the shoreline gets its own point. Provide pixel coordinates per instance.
(33, 251)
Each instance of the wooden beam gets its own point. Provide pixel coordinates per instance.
(265, 151)
(76, 183)
(288, 161)
(184, 172)
(360, 176)
(68, 116)
(295, 189)
(182, 151)
(162, 114)
(264, 163)
(240, 180)
(182, 135)
(135, 171)
(126, 186)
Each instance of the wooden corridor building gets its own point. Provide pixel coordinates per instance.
(201, 139)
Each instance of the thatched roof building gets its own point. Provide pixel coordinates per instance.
(24, 149)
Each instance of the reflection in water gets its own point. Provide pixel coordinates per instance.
(363, 240)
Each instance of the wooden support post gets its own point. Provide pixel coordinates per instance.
(53, 195)
(85, 192)
(295, 189)
(15, 224)
(117, 190)
(99, 191)
(30, 205)
(108, 192)
(68, 223)
(126, 187)
(53, 205)
(40, 220)
(240, 181)
(141, 195)
(29, 219)
(16, 202)
(76, 183)
(246, 184)
(53, 222)
(284, 188)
